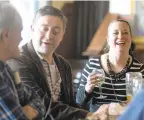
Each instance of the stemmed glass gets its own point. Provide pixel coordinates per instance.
(100, 78)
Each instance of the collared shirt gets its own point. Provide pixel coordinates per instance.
(10, 108)
(53, 77)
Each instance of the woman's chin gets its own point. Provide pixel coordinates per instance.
(121, 51)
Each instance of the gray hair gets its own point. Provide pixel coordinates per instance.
(50, 10)
(8, 16)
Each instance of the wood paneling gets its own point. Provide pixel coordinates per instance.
(98, 41)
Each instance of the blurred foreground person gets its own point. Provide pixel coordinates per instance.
(17, 102)
(135, 110)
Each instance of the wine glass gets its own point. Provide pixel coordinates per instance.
(100, 79)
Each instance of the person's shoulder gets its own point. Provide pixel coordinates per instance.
(61, 59)
(94, 59)
(23, 59)
(2, 65)
(24, 48)
(27, 53)
(137, 62)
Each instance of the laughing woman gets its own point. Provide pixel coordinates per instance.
(115, 64)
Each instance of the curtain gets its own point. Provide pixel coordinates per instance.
(88, 16)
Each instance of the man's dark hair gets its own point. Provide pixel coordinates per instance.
(50, 10)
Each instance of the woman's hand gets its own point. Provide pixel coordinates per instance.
(91, 82)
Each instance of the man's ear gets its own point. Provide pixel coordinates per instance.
(4, 35)
(64, 32)
(62, 35)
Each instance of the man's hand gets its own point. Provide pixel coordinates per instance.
(100, 114)
(116, 108)
(30, 112)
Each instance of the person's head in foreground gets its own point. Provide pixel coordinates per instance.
(10, 31)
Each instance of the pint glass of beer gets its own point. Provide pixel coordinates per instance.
(133, 84)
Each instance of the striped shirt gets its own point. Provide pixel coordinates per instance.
(113, 90)
(53, 79)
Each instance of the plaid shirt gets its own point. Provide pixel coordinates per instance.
(10, 108)
(13, 96)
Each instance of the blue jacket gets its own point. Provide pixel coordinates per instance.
(135, 110)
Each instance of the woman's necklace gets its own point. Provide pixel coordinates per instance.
(116, 76)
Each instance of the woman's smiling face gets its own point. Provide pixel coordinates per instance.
(119, 36)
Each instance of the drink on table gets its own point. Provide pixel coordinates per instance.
(133, 84)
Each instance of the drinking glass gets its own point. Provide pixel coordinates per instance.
(133, 84)
(137, 83)
(100, 79)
